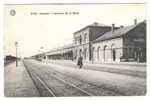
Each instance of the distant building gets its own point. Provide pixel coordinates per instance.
(10, 58)
(65, 52)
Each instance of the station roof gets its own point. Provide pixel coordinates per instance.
(95, 24)
(63, 49)
(117, 32)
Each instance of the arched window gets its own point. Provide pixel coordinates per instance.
(93, 53)
(85, 53)
(85, 37)
(104, 57)
(98, 53)
(80, 39)
(113, 52)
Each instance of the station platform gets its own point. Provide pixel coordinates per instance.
(18, 82)
(126, 68)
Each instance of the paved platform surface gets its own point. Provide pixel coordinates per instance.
(18, 82)
(131, 68)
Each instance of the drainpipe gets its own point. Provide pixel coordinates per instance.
(92, 52)
(91, 45)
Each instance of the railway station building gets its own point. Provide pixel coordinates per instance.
(102, 43)
(123, 44)
(84, 37)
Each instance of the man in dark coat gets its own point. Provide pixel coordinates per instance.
(80, 61)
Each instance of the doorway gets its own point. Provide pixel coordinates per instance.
(114, 54)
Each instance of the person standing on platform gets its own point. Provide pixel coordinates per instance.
(80, 62)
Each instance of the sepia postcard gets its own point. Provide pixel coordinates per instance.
(75, 50)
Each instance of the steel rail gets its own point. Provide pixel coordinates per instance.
(37, 77)
(45, 85)
(60, 79)
(89, 94)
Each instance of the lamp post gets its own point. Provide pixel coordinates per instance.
(16, 44)
(42, 52)
(39, 54)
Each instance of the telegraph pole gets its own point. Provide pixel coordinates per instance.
(16, 44)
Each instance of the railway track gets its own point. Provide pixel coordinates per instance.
(56, 80)
(56, 86)
(42, 88)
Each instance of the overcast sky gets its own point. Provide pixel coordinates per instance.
(52, 31)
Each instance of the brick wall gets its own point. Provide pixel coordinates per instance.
(135, 43)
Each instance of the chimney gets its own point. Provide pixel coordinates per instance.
(95, 24)
(112, 28)
(135, 21)
(144, 21)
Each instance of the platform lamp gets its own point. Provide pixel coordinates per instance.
(41, 48)
(16, 44)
